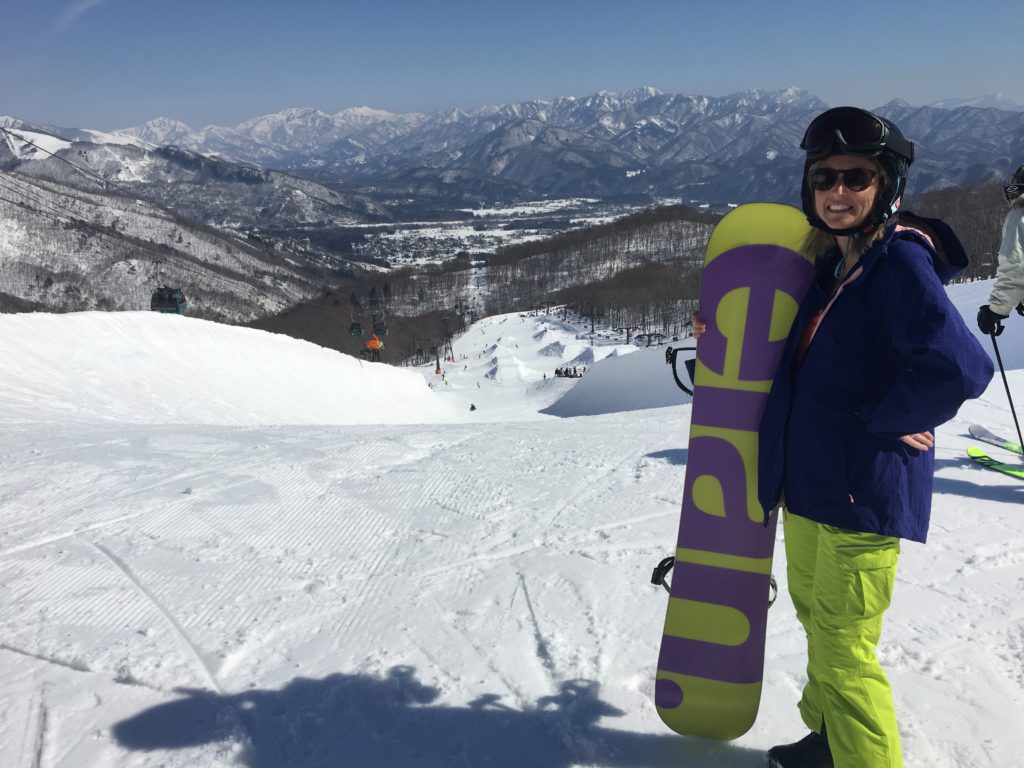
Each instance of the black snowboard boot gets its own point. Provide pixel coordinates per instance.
(810, 752)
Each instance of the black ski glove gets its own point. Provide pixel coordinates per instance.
(1020, 309)
(990, 323)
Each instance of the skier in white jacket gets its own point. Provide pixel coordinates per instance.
(1008, 291)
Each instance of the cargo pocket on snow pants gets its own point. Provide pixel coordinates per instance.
(843, 586)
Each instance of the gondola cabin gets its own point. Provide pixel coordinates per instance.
(356, 329)
(169, 300)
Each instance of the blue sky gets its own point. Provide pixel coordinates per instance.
(116, 63)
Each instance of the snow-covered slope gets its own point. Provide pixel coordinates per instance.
(220, 547)
(151, 368)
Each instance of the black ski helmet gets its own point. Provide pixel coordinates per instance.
(855, 131)
(1015, 188)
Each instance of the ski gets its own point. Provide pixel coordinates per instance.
(980, 457)
(981, 433)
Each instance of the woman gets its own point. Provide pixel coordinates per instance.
(877, 358)
(1008, 291)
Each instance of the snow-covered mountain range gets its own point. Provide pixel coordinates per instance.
(66, 249)
(274, 195)
(201, 186)
(96, 221)
(639, 142)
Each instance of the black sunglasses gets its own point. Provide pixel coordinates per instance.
(853, 131)
(854, 179)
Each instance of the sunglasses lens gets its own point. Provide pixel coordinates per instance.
(823, 179)
(854, 179)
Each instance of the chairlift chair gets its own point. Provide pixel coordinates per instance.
(168, 300)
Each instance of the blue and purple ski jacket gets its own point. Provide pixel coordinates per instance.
(891, 356)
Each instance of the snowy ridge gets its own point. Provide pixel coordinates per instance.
(227, 582)
(53, 251)
(34, 145)
(605, 144)
(97, 366)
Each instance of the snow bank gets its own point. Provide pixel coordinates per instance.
(145, 367)
(622, 383)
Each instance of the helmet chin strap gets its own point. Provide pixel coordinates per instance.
(841, 266)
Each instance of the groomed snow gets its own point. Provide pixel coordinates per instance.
(48, 144)
(222, 547)
(96, 366)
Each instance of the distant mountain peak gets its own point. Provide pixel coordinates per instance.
(366, 113)
(160, 131)
(991, 100)
(166, 122)
(897, 104)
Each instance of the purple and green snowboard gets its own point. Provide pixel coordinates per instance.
(712, 650)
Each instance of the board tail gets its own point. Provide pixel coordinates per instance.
(987, 436)
(978, 456)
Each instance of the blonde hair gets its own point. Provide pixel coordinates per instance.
(819, 242)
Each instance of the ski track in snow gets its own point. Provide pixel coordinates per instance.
(186, 643)
(194, 574)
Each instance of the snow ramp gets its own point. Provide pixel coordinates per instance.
(146, 367)
(630, 382)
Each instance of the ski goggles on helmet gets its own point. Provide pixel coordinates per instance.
(1013, 191)
(853, 131)
(854, 179)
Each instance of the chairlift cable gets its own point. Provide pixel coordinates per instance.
(132, 195)
(133, 247)
(130, 248)
(24, 188)
(42, 206)
(84, 171)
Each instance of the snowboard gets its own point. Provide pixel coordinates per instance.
(987, 436)
(978, 456)
(712, 651)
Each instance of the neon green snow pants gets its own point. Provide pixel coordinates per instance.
(841, 583)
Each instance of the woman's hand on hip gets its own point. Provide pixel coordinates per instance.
(922, 441)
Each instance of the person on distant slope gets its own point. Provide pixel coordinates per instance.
(877, 358)
(1008, 291)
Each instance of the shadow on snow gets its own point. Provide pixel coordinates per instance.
(674, 456)
(360, 720)
(1009, 489)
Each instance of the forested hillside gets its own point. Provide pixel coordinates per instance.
(64, 249)
(976, 215)
(640, 273)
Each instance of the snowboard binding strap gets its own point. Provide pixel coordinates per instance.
(670, 359)
(658, 578)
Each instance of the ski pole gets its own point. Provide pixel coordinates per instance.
(1002, 370)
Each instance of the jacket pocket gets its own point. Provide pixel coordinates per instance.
(875, 466)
